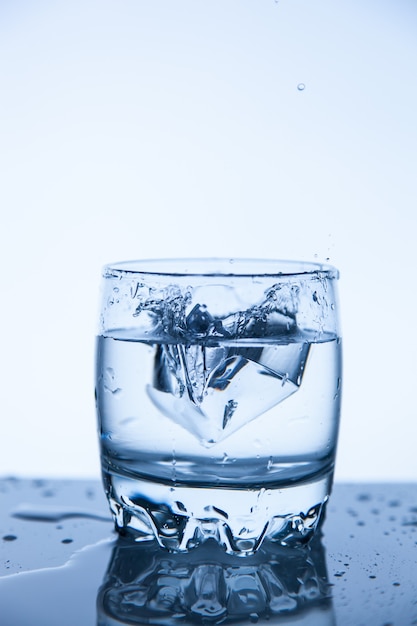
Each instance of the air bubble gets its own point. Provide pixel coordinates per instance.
(301, 86)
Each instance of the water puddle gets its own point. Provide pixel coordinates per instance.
(54, 513)
(57, 596)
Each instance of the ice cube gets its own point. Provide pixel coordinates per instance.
(286, 360)
(273, 317)
(182, 411)
(213, 390)
(180, 369)
(237, 391)
(199, 321)
(166, 308)
(167, 373)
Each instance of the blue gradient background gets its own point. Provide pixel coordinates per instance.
(134, 129)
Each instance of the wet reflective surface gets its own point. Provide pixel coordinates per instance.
(61, 564)
(145, 585)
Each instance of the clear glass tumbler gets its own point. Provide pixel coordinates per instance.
(218, 386)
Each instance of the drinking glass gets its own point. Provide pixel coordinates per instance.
(218, 386)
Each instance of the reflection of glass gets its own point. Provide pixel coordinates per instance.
(146, 585)
(218, 395)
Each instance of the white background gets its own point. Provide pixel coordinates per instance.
(160, 128)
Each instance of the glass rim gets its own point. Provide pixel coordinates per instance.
(219, 266)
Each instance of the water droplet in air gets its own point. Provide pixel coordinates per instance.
(67, 541)
(301, 86)
(9, 538)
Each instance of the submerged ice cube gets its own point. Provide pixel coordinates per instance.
(214, 391)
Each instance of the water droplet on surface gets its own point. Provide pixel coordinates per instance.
(394, 503)
(301, 86)
(48, 493)
(38, 482)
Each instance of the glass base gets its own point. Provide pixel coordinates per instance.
(183, 517)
